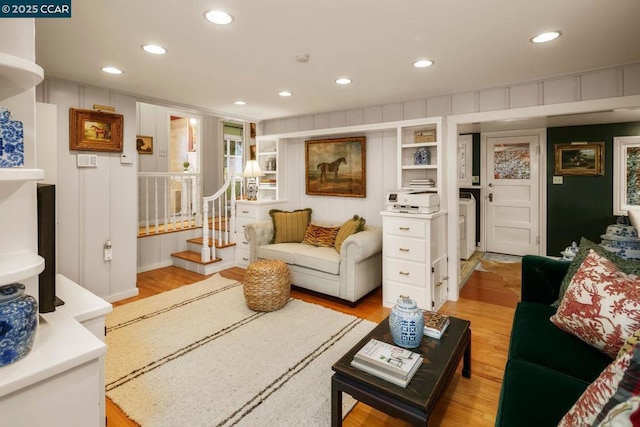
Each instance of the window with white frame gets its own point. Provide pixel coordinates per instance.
(626, 171)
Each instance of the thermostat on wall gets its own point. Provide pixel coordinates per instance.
(87, 160)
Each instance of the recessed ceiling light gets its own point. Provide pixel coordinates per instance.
(285, 93)
(218, 17)
(112, 70)
(240, 103)
(546, 37)
(154, 49)
(343, 81)
(423, 63)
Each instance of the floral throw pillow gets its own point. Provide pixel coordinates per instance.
(601, 305)
(614, 390)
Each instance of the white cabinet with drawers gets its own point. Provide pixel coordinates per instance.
(251, 211)
(414, 258)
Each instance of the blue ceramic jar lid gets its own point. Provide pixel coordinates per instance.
(406, 303)
(11, 292)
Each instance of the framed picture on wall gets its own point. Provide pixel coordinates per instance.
(579, 158)
(336, 167)
(95, 130)
(626, 174)
(144, 144)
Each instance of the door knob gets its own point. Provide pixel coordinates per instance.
(490, 197)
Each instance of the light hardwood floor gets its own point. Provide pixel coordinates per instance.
(467, 402)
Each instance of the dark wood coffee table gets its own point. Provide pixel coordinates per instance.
(416, 402)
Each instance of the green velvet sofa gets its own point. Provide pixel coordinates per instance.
(547, 369)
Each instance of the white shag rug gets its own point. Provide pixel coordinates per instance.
(197, 356)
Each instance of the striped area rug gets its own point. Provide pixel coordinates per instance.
(197, 356)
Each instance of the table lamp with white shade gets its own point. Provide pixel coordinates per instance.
(252, 171)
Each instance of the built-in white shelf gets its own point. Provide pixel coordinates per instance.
(420, 144)
(21, 174)
(17, 75)
(16, 266)
(420, 167)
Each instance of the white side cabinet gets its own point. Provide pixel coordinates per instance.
(414, 258)
(251, 211)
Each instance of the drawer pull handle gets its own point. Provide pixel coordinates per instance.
(403, 250)
(405, 228)
(245, 212)
(404, 273)
(438, 284)
(245, 259)
(245, 243)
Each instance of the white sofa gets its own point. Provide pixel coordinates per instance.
(348, 275)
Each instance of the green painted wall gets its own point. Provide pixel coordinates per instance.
(582, 205)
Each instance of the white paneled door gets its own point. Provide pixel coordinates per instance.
(512, 194)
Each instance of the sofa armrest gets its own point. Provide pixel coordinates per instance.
(364, 244)
(257, 234)
(541, 278)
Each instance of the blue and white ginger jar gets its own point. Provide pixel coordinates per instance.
(18, 323)
(11, 141)
(406, 323)
(422, 156)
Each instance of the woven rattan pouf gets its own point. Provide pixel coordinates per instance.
(267, 285)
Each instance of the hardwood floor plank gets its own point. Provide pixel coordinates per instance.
(466, 402)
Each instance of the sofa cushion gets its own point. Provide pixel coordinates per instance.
(318, 258)
(601, 305)
(617, 383)
(535, 339)
(289, 226)
(627, 266)
(351, 226)
(524, 385)
(283, 251)
(317, 235)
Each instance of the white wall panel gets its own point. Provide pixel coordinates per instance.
(462, 103)
(355, 117)
(320, 121)
(337, 119)
(392, 112)
(373, 115)
(416, 109)
(494, 99)
(631, 76)
(601, 84)
(563, 90)
(292, 124)
(306, 123)
(526, 95)
(439, 106)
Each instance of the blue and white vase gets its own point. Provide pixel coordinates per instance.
(11, 141)
(18, 323)
(422, 156)
(406, 323)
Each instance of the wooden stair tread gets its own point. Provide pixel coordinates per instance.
(198, 241)
(193, 257)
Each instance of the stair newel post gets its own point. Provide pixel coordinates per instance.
(232, 219)
(205, 252)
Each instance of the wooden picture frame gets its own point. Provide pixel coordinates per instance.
(586, 159)
(336, 167)
(95, 130)
(144, 144)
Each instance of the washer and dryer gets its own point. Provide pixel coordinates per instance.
(467, 222)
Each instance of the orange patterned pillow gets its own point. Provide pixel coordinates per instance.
(601, 305)
(320, 236)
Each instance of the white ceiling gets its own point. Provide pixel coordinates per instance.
(475, 45)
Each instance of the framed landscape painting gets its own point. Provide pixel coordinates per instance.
(336, 167)
(144, 144)
(579, 158)
(91, 130)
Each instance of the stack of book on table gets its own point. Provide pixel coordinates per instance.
(435, 324)
(388, 362)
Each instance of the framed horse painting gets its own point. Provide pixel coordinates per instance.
(91, 130)
(336, 167)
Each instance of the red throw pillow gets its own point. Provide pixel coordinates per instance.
(601, 305)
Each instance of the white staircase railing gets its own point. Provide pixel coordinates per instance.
(169, 201)
(223, 214)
